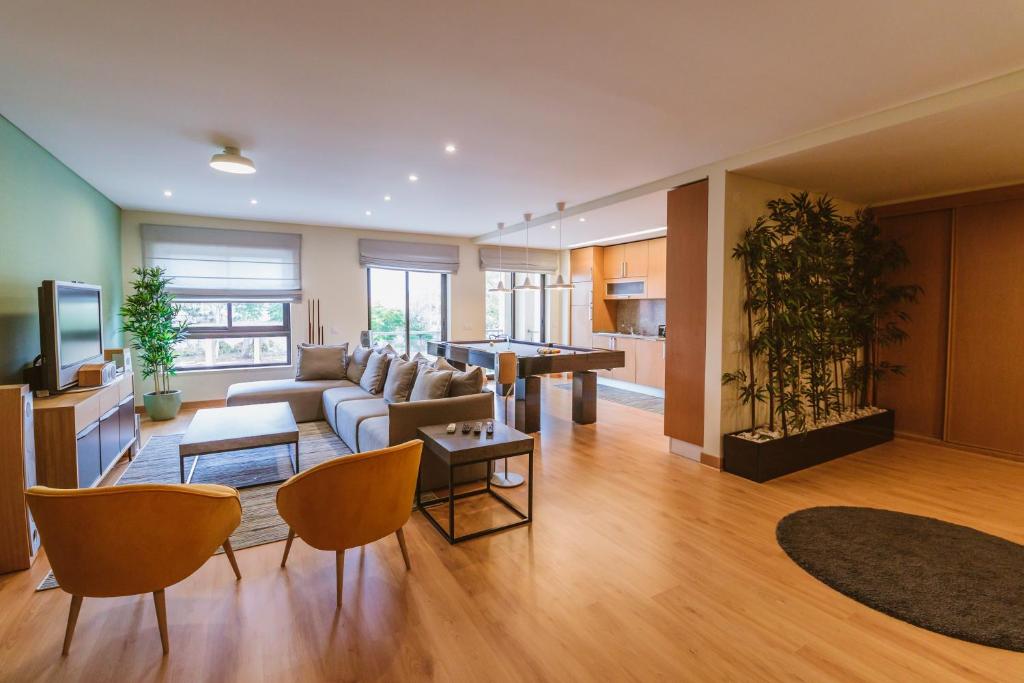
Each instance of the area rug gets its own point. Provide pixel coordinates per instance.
(157, 463)
(634, 399)
(943, 577)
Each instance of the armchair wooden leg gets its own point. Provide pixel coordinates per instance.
(339, 567)
(76, 605)
(231, 558)
(161, 618)
(288, 545)
(405, 551)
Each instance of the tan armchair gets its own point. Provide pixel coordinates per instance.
(351, 501)
(125, 540)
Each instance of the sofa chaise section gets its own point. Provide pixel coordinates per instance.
(305, 398)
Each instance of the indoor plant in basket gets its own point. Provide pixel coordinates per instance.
(152, 319)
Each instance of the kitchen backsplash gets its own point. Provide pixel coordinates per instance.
(642, 315)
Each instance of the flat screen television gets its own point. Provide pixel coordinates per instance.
(70, 330)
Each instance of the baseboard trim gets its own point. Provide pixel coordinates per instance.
(191, 405)
(712, 461)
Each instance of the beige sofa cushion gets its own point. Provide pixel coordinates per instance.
(320, 362)
(334, 397)
(349, 414)
(376, 373)
(305, 398)
(430, 383)
(373, 433)
(357, 363)
(401, 375)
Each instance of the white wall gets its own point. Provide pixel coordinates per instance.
(330, 272)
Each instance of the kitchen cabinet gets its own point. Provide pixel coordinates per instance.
(627, 345)
(581, 326)
(657, 267)
(637, 258)
(581, 264)
(650, 362)
(615, 261)
(626, 289)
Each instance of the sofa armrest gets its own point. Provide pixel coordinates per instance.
(405, 418)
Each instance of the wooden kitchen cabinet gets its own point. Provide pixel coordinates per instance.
(657, 266)
(627, 345)
(581, 326)
(615, 261)
(581, 264)
(650, 363)
(637, 257)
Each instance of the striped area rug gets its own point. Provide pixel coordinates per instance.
(157, 463)
(634, 399)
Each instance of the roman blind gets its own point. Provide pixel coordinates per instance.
(397, 255)
(513, 259)
(209, 263)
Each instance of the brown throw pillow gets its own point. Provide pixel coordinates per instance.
(376, 373)
(430, 383)
(442, 364)
(320, 362)
(357, 363)
(467, 383)
(401, 375)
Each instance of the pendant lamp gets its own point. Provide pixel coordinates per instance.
(527, 284)
(501, 288)
(560, 282)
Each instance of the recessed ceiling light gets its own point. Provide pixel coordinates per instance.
(369, 213)
(413, 177)
(582, 219)
(232, 161)
(254, 202)
(168, 193)
(387, 198)
(450, 148)
(554, 226)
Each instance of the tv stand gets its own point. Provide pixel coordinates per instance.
(80, 435)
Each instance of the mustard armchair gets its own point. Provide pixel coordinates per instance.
(351, 501)
(126, 540)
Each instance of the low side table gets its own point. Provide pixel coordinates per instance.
(460, 450)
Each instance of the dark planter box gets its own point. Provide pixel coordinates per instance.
(769, 459)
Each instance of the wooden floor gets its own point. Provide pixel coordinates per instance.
(640, 565)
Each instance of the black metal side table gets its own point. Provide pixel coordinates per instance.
(460, 450)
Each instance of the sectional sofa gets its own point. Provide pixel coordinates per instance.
(365, 421)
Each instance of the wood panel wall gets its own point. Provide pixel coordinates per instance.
(919, 397)
(985, 399)
(686, 312)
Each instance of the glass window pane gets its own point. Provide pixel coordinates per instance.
(387, 307)
(272, 350)
(425, 315)
(499, 306)
(204, 314)
(261, 314)
(233, 351)
(194, 353)
(528, 310)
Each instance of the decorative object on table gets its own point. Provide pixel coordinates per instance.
(560, 282)
(548, 351)
(820, 302)
(527, 284)
(463, 450)
(314, 324)
(944, 577)
(155, 324)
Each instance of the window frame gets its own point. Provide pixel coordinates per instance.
(444, 302)
(542, 295)
(232, 331)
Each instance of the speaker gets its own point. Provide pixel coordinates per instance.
(20, 538)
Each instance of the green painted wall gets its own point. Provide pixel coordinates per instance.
(53, 226)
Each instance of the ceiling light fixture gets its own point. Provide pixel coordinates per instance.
(450, 148)
(500, 288)
(369, 213)
(583, 219)
(254, 202)
(560, 282)
(413, 177)
(232, 161)
(527, 284)
(387, 198)
(168, 193)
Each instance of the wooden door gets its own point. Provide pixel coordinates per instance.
(650, 363)
(628, 347)
(686, 312)
(637, 255)
(657, 265)
(985, 402)
(581, 265)
(581, 326)
(615, 261)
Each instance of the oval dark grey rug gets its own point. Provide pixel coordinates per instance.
(944, 577)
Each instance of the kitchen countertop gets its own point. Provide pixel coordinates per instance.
(651, 337)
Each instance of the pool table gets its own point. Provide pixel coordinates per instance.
(581, 362)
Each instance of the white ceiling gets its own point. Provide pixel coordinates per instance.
(974, 145)
(337, 102)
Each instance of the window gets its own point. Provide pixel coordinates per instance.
(238, 334)
(522, 314)
(407, 308)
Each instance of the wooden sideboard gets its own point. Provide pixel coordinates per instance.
(80, 435)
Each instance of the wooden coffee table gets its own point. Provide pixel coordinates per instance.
(459, 450)
(236, 428)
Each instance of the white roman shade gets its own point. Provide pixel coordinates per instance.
(396, 255)
(209, 263)
(513, 259)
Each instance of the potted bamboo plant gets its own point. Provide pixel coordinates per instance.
(152, 319)
(820, 301)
